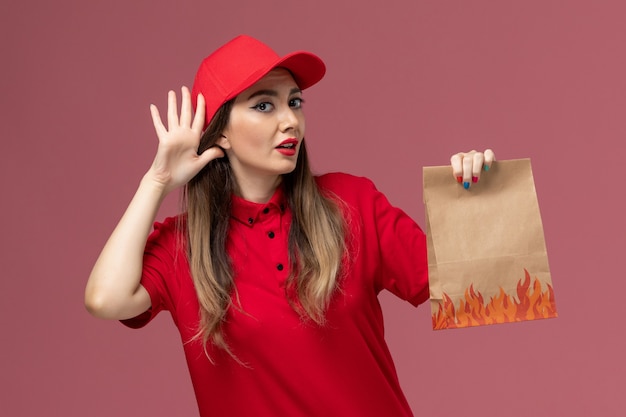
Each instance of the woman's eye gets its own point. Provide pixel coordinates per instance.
(296, 103)
(263, 107)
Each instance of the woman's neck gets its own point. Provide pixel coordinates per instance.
(257, 189)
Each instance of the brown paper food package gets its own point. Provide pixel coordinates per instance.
(487, 258)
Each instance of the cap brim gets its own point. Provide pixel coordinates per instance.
(307, 69)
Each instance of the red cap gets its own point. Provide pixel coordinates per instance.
(242, 62)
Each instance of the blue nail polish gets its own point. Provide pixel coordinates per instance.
(486, 167)
(466, 185)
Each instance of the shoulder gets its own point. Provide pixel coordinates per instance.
(168, 230)
(169, 224)
(345, 185)
(355, 194)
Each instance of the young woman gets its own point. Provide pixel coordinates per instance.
(271, 274)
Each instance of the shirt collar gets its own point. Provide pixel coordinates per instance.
(249, 213)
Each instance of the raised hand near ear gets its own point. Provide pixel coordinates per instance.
(177, 160)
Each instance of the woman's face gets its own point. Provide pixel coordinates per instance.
(265, 129)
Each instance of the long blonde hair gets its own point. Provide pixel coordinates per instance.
(316, 239)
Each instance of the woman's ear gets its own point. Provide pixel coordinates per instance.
(223, 142)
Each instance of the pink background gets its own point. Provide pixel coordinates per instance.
(409, 82)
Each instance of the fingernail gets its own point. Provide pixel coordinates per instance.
(459, 179)
(474, 179)
(466, 185)
(486, 167)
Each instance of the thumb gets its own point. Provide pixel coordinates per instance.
(210, 154)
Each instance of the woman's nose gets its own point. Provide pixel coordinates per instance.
(288, 120)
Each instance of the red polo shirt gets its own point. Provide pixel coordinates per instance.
(296, 368)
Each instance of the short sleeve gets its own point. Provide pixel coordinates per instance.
(157, 277)
(402, 248)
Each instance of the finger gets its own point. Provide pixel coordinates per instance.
(156, 121)
(468, 164)
(185, 107)
(477, 166)
(198, 119)
(457, 166)
(172, 110)
(210, 154)
(489, 158)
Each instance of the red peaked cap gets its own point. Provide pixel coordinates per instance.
(242, 62)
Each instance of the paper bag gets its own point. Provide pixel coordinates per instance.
(487, 258)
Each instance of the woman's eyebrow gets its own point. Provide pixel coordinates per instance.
(273, 93)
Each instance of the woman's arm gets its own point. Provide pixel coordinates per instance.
(113, 290)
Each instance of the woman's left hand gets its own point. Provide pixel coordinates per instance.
(467, 166)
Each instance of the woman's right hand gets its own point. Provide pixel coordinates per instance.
(177, 160)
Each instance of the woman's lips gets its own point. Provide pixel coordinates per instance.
(288, 147)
